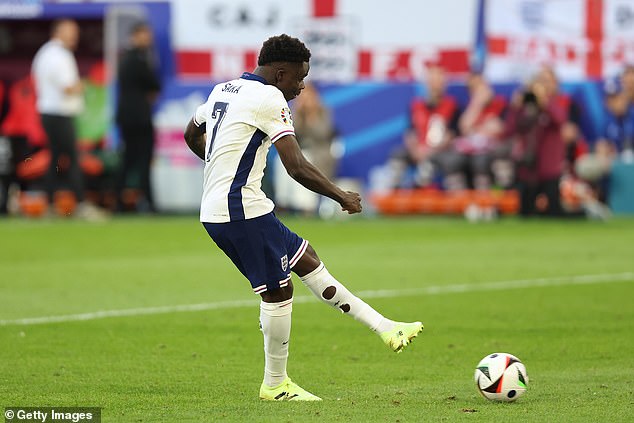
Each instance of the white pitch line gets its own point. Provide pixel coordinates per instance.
(428, 290)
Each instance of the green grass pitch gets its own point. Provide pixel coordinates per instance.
(573, 331)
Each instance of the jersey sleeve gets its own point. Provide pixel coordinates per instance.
(200, 116)
(274, 117)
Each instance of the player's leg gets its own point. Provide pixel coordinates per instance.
(324, 286)
(275, 322)
(282, 248)
(257, 247)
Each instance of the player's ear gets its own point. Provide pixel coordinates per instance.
(279, 74)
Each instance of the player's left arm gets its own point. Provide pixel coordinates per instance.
(304, 172)
(195, 138)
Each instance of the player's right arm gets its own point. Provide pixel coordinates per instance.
(195, 138)
(195, 131)
(304, 172)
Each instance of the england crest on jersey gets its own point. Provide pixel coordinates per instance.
(286, 116)
(284, 261)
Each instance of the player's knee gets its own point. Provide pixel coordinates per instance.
(307, 263)
(312, 254)
(278, 295)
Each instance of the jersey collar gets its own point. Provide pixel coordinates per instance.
(253, 77)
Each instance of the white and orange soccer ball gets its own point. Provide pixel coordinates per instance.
(501, 377)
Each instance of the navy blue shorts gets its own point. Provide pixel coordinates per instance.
(263, 249)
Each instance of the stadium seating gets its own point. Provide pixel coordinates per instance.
(425, 201)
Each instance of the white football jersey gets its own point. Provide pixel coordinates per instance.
(243, 118)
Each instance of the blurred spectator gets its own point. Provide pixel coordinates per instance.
(535, 121)
(315, 133)
(575, 195)
(627, 83)
(617, 138)
(315, 130)
(616, 141)
(481, 126)
(59, 101)
(138, 89)
(428, 141)
(571, 135)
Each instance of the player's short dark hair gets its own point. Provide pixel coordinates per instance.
(283, 48)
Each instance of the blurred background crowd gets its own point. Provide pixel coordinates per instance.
(530, 141)
(479, 108)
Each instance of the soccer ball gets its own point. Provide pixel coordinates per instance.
(501, 377)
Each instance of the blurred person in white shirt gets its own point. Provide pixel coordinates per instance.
(59, 100)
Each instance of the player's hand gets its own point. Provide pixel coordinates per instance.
(351, 202)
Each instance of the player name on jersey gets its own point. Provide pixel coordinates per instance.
(230, 88)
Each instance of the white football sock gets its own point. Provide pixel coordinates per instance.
(331, 291)
(275, 321)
